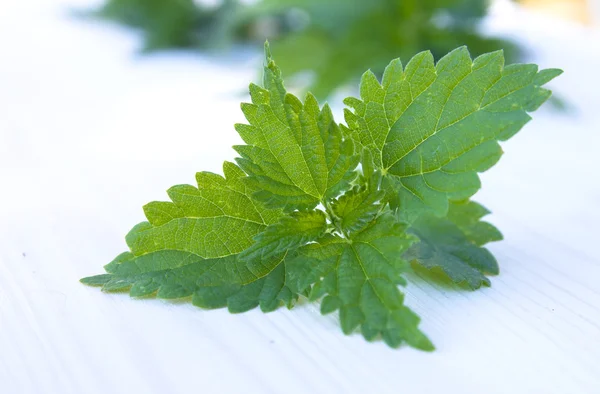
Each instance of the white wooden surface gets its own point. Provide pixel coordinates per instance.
(89, 133)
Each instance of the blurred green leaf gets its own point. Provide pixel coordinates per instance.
(334, 40)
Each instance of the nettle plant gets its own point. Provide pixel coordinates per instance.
(339, 212)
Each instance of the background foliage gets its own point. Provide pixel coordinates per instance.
(334, 41)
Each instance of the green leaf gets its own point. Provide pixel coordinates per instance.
(432, 127)
(362, 284)
(291, 232)
(356, 209)
(199, 222)
(312, 262)
(453, 244)
(254, 238)
(212, 283)
(295, 154)
(467, 216)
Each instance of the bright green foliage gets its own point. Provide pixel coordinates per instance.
(432, 127)
(294, 155)
(201, 220)
(198, 224)
(453, 244)
(291, 232)
(299, 217)
(356, 209)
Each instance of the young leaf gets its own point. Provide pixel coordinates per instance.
(295, 155)
(453, 244)
(432, 127)
(356, 209)
(291, 232)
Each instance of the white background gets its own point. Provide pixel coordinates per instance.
(90, 131)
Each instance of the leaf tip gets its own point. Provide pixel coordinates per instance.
(267, 47)
(425, 344)
(547, 75)
(96, 280)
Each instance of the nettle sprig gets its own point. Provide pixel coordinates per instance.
(338, 212)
